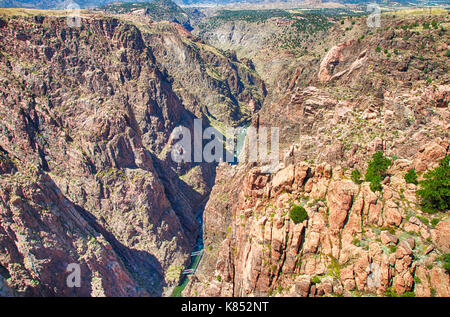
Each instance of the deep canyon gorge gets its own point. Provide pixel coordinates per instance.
(87, 116)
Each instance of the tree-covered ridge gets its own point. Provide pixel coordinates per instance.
(223, 16)
(161, 7)
(249, 15)
(157, 10)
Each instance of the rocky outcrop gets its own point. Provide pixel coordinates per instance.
(368, 95)
(86, 174)
(331, 60)
(211, 84)
(354, 242)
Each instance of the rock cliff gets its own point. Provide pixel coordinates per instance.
(373, 92)
(85, 170)
(354, 242)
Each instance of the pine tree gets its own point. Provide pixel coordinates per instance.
(376, 171)
(435, 188)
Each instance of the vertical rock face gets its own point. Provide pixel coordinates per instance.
(212, 85)
(84, 114)
(367, 95)
(86, 173)
(353, 242)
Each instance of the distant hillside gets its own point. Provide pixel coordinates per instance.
(58, 4)
(50, 4)
(157, 10)
(61, 4)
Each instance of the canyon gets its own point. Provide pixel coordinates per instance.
(86, 175)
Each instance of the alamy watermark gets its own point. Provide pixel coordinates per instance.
(239, 144)
(74, 17)
(374, 278)
(74, 277)
(374, 18)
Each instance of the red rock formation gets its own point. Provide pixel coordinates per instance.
(343, 248)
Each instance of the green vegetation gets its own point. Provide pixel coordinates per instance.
(390, 292)
(298, 214)
(178, 289)
(298, 28)
(411, 177)
(434, 24)
(435, 221)
(410, 26)
(249, 15)
(315, 279)
(303, 27)
(376, 171)
(334, 269)
(158, 10)
(356, 242)
(435, 188)
(446, 262)
(356, 176)
(423, 219)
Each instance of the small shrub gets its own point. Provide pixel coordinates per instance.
(411, 177)
(433, 292)
(356, 176)
(446, 262)
(376, 171)
(356, 242)
(393, 248)
(424, 220)
(434, 222)
(434, 23)
(298, 214)
(435, 188)
(390, 292)
(315, 280)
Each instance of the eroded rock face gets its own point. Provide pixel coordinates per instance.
(353, 242)
(441, 235)
(86, 174)
(362, 96)
(80, 176)
(367, 93)
(336, 55)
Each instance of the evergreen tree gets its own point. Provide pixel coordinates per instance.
(376, 171)
(435, 188)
